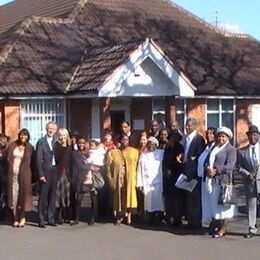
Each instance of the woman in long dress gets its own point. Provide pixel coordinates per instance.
(206, 214)
(172, 168)
(150, 179)
(19, 177)
(63, 151)
(219, 168)
(121, 171)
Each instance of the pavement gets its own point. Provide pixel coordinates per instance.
(106, 241)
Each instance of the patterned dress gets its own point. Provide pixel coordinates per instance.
(18, 155)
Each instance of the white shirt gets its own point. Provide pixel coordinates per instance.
(50, 140)
(257, 151)
(189, 139)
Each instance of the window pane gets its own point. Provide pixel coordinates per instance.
(37, 113)
(179, 104)
(213, 104)
(227, 120)
(213, 120)
(158, 104)
(227, 104)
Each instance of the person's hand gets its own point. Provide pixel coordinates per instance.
(42, 179)
(251, 177)
(179, 158)
(211, 172)
(140, 189)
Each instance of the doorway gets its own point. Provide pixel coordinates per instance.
(116, 118)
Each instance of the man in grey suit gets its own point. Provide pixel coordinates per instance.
(194, 144)
(48, 176)
(248, 166)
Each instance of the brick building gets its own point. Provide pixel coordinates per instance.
(90, 64)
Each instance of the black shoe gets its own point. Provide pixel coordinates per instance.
(75, 222)
(177, 223)
(91, 222)
(249, 235)
(42, 225)
(53, 224)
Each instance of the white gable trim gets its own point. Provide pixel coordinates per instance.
(148, 49)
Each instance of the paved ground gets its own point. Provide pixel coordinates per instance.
(105, 241)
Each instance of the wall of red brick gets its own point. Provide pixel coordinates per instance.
(196, 108)
(243, 119)
(141, 108)
(105, 119)
(11, 118)
(79, 112)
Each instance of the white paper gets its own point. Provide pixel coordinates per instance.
(183, 184)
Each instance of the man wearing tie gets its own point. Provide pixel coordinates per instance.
(248, 167)
(193, 147)
(48, 176)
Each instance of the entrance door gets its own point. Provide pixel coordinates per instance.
(116, 118)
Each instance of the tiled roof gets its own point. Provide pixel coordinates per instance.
(18, 10)
(42, 59)
(56, 56)
(97, 65)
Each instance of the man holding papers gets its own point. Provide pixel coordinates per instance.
(194, 144)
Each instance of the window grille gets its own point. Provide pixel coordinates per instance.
(35, 114)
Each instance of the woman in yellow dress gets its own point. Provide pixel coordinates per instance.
(121, 172)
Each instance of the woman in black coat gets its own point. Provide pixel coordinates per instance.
(172, 168)
(79, 171)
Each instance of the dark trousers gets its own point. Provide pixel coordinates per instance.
(193, 206)
(175, 205)
(47, 197)
(94, 206)
(104, 205)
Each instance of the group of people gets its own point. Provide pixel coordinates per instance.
(127, 179)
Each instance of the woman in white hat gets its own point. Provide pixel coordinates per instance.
(219, 170)
(149, 178)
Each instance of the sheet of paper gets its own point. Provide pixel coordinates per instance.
(183, 184)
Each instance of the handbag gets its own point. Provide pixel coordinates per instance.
(98, 180)
(227, 195)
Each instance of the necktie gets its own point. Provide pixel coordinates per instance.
(254, 159)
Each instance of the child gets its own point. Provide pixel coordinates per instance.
(95, 159)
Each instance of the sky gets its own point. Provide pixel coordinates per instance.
(239, 16)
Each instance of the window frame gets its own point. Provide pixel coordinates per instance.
(41, 109)
(220, 113)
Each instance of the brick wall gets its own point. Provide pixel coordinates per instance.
(197, 108)
(79, 111)
(105, 119)
(243, 119)
(141, 108)
(11, 119)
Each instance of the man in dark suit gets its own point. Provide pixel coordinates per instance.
(194, 144)
(248, 166)
(48, 176)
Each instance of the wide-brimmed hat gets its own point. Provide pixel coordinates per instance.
(225, 130)
(253, 129)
